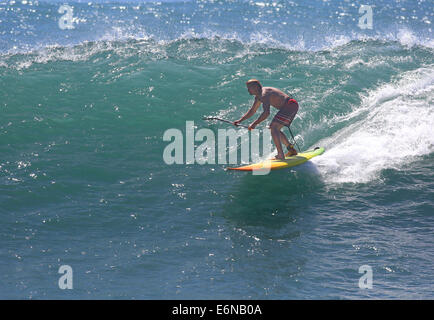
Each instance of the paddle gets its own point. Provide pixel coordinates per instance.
(241, 125)
(223, 120)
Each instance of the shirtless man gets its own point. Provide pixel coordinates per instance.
(287, 109)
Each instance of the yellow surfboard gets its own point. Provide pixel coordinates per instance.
(273, 164)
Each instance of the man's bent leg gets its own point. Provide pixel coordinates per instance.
(276, 134)
(284, 139)
(289, 146)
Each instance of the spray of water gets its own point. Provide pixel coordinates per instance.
(397, 128)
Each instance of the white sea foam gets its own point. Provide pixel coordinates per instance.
(120, 39)
(397, 128)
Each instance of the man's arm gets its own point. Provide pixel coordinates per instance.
(262, 117)
(251, 111)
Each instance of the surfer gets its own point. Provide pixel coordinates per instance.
(287, 106)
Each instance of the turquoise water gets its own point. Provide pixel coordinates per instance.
(84, 183)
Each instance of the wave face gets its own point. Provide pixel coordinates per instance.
(83, 181)
(360, 100)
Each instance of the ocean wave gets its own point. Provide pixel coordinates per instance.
(289, 25)
(189, 46)
(396, 129)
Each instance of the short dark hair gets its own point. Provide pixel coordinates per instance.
(254, 82)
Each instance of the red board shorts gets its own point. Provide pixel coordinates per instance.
(287, 113)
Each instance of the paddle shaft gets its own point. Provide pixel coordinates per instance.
(294, 139)
(223, 120)
(241, 125)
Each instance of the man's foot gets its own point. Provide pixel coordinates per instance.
(291, 151)
(280, 157)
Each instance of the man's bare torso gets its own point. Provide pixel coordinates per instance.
(274, 97)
